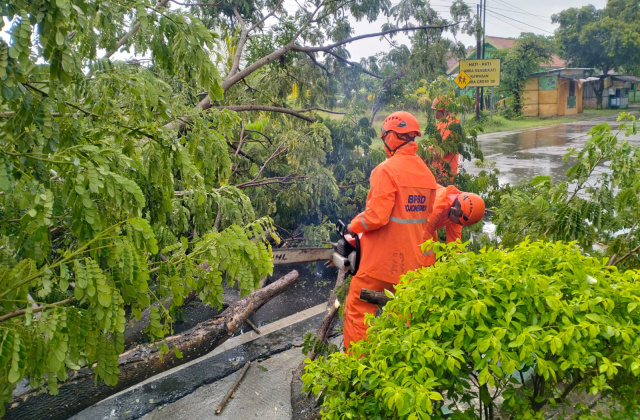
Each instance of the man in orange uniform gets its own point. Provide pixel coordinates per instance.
(452, 210)
(392, 226)
(444, 120)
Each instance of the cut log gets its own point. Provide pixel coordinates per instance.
(134, 333)
(144, 361)
(373, 296)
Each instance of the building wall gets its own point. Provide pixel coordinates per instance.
(579, 98)
(548, 96)
(530, 98)
(563, 92)
(589, 98)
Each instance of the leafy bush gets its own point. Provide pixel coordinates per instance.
(481, 325)
(597, 203)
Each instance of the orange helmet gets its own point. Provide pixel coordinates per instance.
(401, 122)
(445, 101)
(472, 206)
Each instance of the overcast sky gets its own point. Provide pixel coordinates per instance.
(505, 18)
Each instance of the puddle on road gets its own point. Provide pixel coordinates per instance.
(523, 155)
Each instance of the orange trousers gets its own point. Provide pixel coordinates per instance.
(355, 309)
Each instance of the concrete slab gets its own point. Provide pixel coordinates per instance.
(264, 393)
(217, 366)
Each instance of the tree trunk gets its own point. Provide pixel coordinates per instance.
(517, 106)
(374, 112)
(599, 90)
(134, 333)
(144, 361)
(373, 296)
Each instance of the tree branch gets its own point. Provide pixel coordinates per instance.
(262, 134)
(243, 39)
(351, 63)
(613, 257)
(284, 180)
(317, 63)
(131, 32)
(627, 255)
(241, 139)
(267, 16)
(196, 4)
(275, 154)
(326, 48)
(35, 309)
(206, 102)
(294, 112)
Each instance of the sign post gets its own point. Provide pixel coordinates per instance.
(462, 80)
(479, 73)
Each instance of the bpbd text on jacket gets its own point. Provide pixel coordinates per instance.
(416, 202)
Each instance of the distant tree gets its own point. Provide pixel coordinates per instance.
(606, 39)
(528, 52)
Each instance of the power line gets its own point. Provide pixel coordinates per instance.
(517, 8)
(519, 21)
(507, 22)
(524, 13)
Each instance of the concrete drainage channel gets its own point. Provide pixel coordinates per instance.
(194, 390)
(264, 392)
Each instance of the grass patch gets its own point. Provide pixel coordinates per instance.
(502, 124)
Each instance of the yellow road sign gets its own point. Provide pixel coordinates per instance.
(482, 72)
(462, 80)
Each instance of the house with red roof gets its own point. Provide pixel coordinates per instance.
(492, 44)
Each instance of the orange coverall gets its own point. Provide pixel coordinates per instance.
(450, 158)
(398, 205)
(445, 196)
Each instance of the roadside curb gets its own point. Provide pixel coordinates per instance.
(174, 384)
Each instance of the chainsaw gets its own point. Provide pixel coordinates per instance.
(343, 254)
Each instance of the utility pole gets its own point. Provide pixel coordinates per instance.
(484, 28)
(478, 34)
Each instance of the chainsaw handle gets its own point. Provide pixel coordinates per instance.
(341, 228)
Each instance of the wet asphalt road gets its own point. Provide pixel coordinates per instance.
(520, 156)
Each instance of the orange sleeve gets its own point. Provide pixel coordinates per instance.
(435, 222)
(380, 202)
(454, 231)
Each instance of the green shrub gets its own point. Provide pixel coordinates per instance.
(481, 324)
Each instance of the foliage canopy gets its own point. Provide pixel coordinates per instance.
(606, 39)
(124, 186)
(463, 336)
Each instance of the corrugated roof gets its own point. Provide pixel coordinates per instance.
(557, 72)
(632, 79)
(500, 43)
(555, 63)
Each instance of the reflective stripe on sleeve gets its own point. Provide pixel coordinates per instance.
(429, 252)
(363, 222)
(407, 221)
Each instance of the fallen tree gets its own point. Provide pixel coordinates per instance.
(134, 333)
(146, 360)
